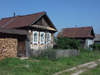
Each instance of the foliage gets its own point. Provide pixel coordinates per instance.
(55, 39)
(45, 66)
(66, 43)
(95, 46)
(85, 50)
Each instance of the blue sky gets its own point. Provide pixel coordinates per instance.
(63, 13)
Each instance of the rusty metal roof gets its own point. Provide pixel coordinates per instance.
(78, 32)
(13, 31)
(22, 21)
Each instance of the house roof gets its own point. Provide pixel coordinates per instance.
(13, 31)
(78, 32)
(97, 37)
(22, 21)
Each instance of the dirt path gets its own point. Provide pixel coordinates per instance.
(80, 68)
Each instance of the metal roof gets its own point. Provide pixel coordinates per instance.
(22, 21)
(78, 32)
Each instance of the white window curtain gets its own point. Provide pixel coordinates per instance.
(35, 37)
(42, 38)
(48, 38)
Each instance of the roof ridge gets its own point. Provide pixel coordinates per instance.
(37, 18)
(31, 14)
(7, 18)
(23, 15)
(78, 27)
(90, 32)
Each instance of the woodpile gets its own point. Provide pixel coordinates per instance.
(8, 47)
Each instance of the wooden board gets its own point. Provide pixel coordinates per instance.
(21, 48)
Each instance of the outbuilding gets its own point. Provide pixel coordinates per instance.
(84, 34)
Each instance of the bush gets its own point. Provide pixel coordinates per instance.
(95, 46)
(85, 50)
(66, 43)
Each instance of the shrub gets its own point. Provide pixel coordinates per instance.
(95, 46)
(66, 43)
(85, 50)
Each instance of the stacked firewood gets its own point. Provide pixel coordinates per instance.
(8, 47)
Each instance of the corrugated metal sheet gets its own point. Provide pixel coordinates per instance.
(78, 32)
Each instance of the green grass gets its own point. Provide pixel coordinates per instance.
(68, 72)
(44, 66)
(94, 71)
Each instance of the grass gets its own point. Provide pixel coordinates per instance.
(94, 71)
(44, 66)
(68, 73)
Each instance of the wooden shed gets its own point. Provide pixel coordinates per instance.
(20, 35)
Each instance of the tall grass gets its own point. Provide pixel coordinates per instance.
(15, 66)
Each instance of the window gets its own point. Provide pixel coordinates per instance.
(42, 38)
(35, 37)
(48, 38)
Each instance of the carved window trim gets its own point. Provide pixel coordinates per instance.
(42, 37)
(35, 37)
(48, 38)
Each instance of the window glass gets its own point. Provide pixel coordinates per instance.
(35, 37)
(42, 37)
(48, 38)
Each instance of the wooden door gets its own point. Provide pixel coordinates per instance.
(21, 48)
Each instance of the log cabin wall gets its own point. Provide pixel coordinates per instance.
(35, 49)
(41, 46)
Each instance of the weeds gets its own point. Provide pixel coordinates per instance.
(15, 66)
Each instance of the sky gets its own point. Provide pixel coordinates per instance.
(63, 13)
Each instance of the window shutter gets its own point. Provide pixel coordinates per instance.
(35, 37)
(48, 38)
(42, 38)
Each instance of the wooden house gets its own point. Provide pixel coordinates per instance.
(35, 32)
(97, 38)
(84, 34)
